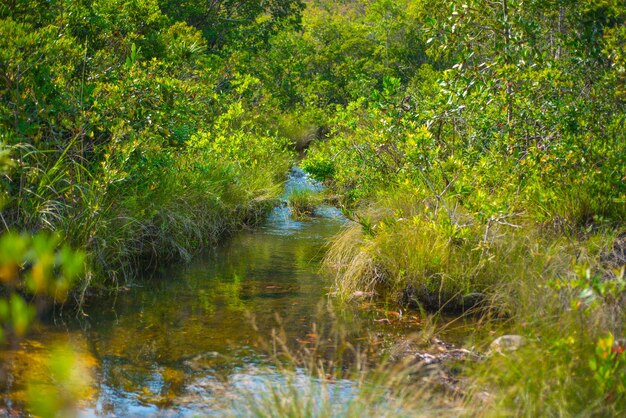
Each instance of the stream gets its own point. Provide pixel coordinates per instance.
(188, 340)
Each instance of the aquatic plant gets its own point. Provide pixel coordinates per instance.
(303, 202)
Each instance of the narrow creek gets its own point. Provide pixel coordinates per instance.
(186, 341)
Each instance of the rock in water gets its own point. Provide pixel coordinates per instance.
(506, 344)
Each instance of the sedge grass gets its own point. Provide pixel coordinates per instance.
(303, 202)
(129, 219)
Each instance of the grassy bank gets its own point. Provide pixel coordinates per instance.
(141, 209)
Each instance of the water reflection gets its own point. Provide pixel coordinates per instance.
(177, 341)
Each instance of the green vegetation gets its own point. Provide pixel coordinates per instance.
(490, 178)
(303, 202)
(477, 147)
(129, 135)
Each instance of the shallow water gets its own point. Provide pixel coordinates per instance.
(188, 340)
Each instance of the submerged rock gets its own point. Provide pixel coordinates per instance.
(435, 362)
(359, 294)
(506, 344)
(432, 351)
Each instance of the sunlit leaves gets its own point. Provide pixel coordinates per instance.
(58, 383)
(16, 315)
(608, 367)
(39, 265)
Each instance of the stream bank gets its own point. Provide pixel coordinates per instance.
(188, 340)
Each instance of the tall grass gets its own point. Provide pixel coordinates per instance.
(401, 242)
(373, 394)
(303, 202)
(573, 362)
(411, 237)
(333, 377)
